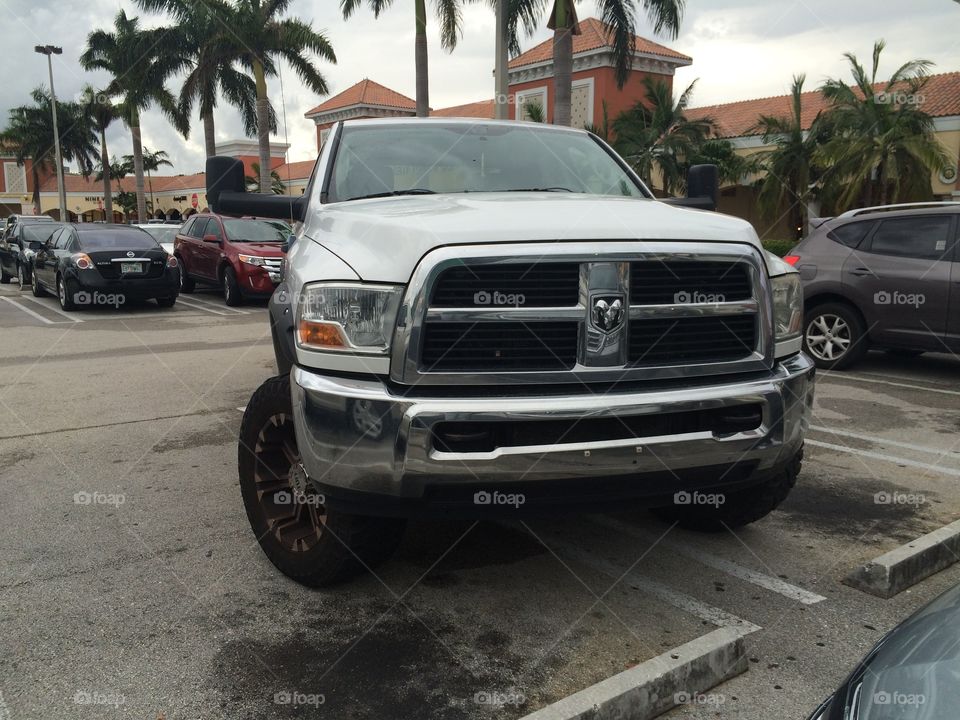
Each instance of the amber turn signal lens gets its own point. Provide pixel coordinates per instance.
(317, 334)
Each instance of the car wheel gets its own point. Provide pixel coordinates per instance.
(187, 283)
(834, 337)
(231, 288)
(65, 293)
(167, 302)
(35, 287)
(21, 278)
(5, 277)
(306, 541)
(734, 509)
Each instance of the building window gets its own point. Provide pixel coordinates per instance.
(528, 100)
(15, 178)
(581, 103)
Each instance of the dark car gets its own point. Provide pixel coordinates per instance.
(18, 246)
(913, 672)
(880, 277)
(100, 264)
(242, 256)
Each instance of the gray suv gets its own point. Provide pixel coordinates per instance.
(881, 277)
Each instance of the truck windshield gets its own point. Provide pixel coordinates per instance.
(437, 157)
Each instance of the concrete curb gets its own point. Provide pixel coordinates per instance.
(898, 569)
(651, 688)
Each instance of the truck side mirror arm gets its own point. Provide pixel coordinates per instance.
(227, 194)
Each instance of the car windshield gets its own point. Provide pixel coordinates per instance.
(162, 233)
(436, 157)
(125, 238)
(255, 230)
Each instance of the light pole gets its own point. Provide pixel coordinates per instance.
(501, 108)
(50, 51)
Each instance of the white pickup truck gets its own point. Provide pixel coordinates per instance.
(494, 318)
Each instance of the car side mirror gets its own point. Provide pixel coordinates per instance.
(227, 194)
(703, 185)
(211, 239)
(288, 243)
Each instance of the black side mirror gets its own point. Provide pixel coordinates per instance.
(227, 194)
(703, 187)
(288, 243)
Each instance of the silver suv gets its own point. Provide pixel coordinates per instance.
(881, 277)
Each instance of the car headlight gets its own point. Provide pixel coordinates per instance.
(253, 260)
(787, 313)
(348, 317)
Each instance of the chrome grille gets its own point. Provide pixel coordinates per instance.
(628, 312)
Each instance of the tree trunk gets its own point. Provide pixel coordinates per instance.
(36, 187)
(420, 60)
(138, 166)
(209, 134)
(105, 168)
(562, 72)
(153, 207)
(263, 125)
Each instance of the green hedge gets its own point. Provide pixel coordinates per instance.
(779, 247)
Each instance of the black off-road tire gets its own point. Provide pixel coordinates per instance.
(343, 545)
(740, 507)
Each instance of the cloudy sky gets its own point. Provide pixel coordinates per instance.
(741, 49)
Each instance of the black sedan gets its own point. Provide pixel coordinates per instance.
(91, 264)
(913, 672)
(18, 246)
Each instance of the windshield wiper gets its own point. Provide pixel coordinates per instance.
(540, 189)
(391, 193)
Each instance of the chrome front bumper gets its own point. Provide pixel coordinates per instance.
(357, 436)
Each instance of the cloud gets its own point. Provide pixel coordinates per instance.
(741, 49)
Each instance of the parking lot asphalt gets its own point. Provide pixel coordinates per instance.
(131, 585)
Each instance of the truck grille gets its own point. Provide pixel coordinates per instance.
(566, 312)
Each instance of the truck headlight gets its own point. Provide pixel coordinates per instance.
(348, 317)
(787, 313)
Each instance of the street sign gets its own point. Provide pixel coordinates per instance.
(195, 201)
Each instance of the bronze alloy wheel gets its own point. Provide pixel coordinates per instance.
(293, 511)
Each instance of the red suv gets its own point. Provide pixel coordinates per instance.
(242, 256)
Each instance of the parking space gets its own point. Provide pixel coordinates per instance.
(125, 538)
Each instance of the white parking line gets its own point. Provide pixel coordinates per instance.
(682, 601)
(49, 308)
(910, 386)
(30, 312)
(194, 298)
(886, 458)
(768, 582)
(884, 441)
(201, 307)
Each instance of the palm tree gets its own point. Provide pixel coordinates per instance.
(213, 53)
(884, 148)
(618, 15)
(152, 161)
(30, 134)
(97, 106)
(790, 166)
(451, 28)
(116, 170)
(656, 134)
(140, 62)
(731, 166)
(263, 36)
(253, 181)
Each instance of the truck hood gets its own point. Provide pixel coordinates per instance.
(384, 239)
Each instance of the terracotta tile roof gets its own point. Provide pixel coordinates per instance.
(738, 119)
(296, 170)
(365, 92)
(594, 34)
(481, 109)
